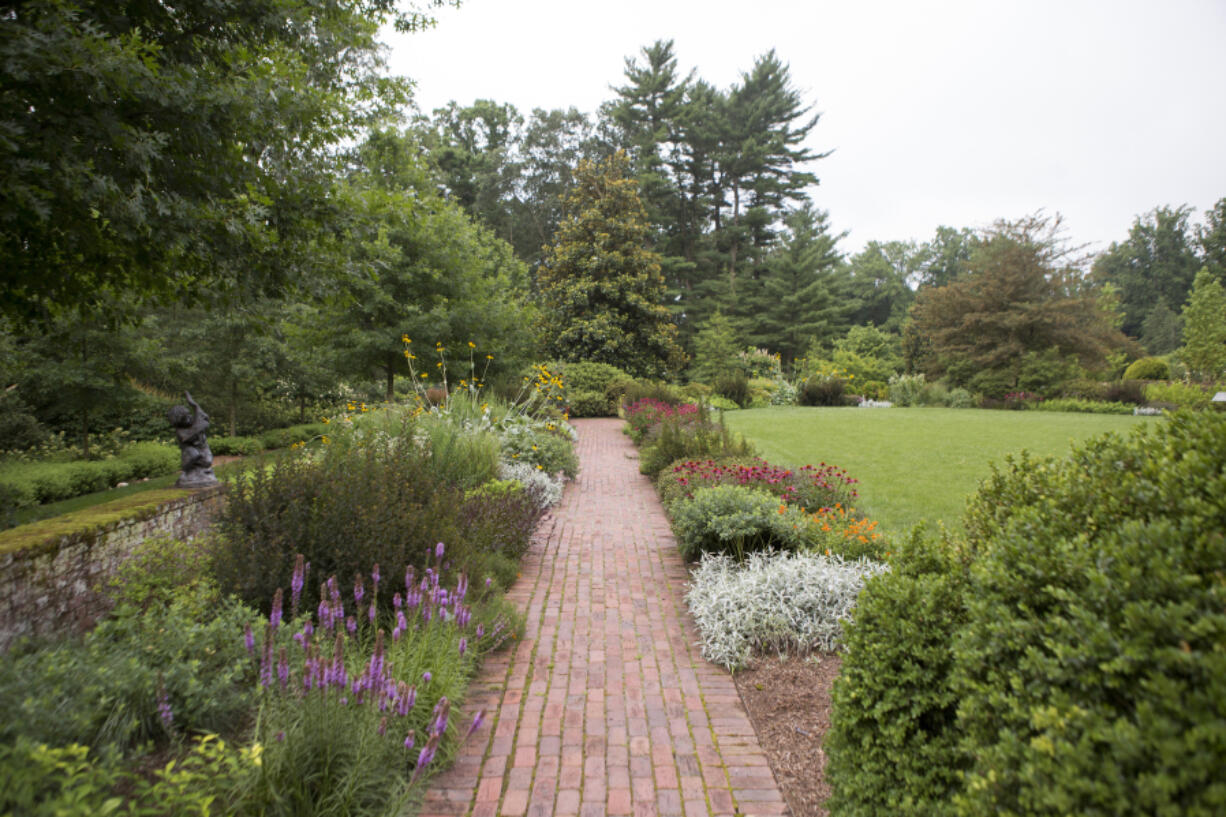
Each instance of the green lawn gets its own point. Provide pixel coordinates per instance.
(916, 463)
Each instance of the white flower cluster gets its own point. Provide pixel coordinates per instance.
(546, 488)
(774, 602)
(876, 404)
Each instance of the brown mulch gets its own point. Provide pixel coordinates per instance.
(789, 703)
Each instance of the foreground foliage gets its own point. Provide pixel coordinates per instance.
(1068, 657)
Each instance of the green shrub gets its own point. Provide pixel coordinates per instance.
(104, 690)
(1079, 636)
(38, 483)
(734, 387)
(498, 518)
(37, 780)
(905, 389)
(234, 446)
(652, 390)
(893, 744)
(159, 571)
(722, 403)
(736, 521)
(589, 404)
(1092, 669)
(285, 437)
(1184, 395)
(536, 446)
(822, 390)
(1085, 390)
(465, 458)
(1085, 406)
(1148, 368)
(1125, 391)
(679, 440)
(354, 506)
(588, 376)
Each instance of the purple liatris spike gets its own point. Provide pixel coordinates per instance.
(351, 624)
(295, 585)
(382, 726)
(370, 614)
(488, 582)
(438, 550)
(426, 677)
(476, 724)
(164, 712)
(408, 741)
(283, 668)
(480, 631)
(359, 588)
(249, 640)
(397, 602)
(274, 617)
(374, 576)
(463, 646)
(308, 629)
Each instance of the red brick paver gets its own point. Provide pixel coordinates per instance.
(606, 707)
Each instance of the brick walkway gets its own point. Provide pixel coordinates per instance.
(606, 706)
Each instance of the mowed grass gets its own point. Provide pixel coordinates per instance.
(915, 464)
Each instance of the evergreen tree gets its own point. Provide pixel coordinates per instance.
(1204, 334)
(1161, 330)
(879, 275)
(715, 350)
(799, 296)
(601, 289)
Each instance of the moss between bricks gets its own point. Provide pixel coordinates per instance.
(88, 522)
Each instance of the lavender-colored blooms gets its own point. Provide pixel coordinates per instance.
(351, 625)
(164, 711)
(408, 741)
(425, 756)
(344, 701)
(463, 645)
(283, 669)
(397, 602)
(249, 640)
(370, 614)
(274, 617)
(308, 629)
(359, 589)
(426, 677)
(488, 582)
(480, 631)
(438, 550)
(374, 576)
(476, 724)
(295, 585)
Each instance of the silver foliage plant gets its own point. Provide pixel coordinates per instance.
(545, 487)
(773, 602)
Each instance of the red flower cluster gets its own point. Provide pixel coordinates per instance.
(812, 486)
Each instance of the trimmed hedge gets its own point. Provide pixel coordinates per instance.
(24, 485)
(1068, 658)
(1148, 368)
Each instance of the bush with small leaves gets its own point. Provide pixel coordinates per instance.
(1148, 368)
(735, 520)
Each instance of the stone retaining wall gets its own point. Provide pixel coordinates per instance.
(50, 588)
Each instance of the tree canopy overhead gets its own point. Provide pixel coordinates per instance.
(165, 150)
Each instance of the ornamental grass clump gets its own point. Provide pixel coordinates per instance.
(791, 603)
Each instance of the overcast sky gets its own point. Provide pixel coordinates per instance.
(939, 112)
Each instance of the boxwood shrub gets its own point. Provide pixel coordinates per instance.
(1068, 658)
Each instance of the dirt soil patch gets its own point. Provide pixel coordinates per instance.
(789, 703)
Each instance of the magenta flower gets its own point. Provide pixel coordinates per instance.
(475, 725)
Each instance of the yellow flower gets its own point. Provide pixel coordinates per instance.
(326, 420)
(472, 345)
(327, 441)
(423, 375)
(540, 468)
(489, 357)
(405, 339)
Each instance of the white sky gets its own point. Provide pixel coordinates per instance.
(950, 112)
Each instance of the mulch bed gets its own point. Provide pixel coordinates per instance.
(789, 703)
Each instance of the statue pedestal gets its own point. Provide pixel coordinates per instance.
(199, 478)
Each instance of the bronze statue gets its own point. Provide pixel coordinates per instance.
(197, 459)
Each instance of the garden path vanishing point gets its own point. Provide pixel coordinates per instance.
(606, 706)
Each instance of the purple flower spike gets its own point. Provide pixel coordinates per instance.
(488, 582)
(370, 614)
(274, 617)
(476, 724)
(463, 647)
(480, 630)
(351, 625)
(382, 727)
(249, 640)
(374, 576)
(426, 677)
(408, 741)
(164, 711)
(438, 550)
(296, 582)
(397, 602)
(359, 589)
